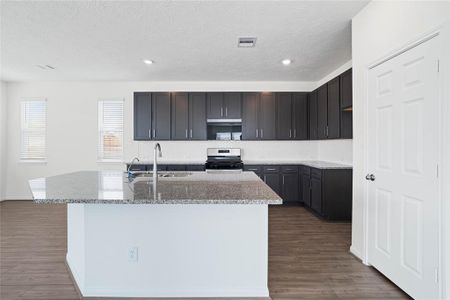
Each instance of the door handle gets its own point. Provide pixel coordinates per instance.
(226, 111)
(256, 133)
(295, 133)
(191, 133)
(221, 111)
(186, 133)
(370, 177)
(154, 133)
(290, 133)
(262, 132)
(150, 133)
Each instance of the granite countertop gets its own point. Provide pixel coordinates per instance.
(310, 163)
(113, 187)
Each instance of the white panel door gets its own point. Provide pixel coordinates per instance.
(403, 239)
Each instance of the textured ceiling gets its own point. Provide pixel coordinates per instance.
(188, 40)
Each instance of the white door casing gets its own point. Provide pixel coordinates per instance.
(403, 216)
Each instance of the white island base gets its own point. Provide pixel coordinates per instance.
(183, 250)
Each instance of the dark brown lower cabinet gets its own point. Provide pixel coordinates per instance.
(254, 168)
(273, 180)
(329, 194)
(316, 195)
(290, 188)
(289, 185)
(305, 185)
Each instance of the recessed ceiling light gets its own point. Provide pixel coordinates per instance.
(148, 61)
(286, 62)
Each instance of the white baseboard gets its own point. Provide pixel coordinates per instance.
(171, 293)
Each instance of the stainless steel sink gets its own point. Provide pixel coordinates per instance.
(174, 174)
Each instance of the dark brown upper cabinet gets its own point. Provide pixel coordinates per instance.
(197, 116)
(232, 105)
(300, 115)
(188, 116)
(346, 105)
(284, 116)
(250, 104)
(334, 109)
(259, 116)
(312, 105)
(346, 89)
(142, 106)
(292, 116)
(215, 106)
(267, 116)
(180, 116)
(161, 116)
(224, 105)
(151, 116)
(322, 112)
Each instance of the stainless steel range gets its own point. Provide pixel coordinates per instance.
(224, 159)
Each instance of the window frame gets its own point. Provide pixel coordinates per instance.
(23, 101)
(100, 152)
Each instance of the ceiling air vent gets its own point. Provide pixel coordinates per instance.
(246, 42)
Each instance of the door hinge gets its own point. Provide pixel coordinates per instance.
(436, 275)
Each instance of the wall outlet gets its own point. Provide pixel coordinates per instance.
(133, 254)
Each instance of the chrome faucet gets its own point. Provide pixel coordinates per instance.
(129, 167)
(155, 160)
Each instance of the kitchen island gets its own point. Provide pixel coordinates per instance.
(189, 234)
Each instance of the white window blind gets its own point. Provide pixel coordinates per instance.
(33, 128)
(110, 130)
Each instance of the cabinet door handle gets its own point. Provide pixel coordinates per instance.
(256, 133)
(221, 111)
(226, 111)
(295, 133)
(283, 179)
(262, 133)
(270, 169)
(327, 131)
(186, 133)
(154, 133)
(149, 133)
(290, 133)
(191, 133)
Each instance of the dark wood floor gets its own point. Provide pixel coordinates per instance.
(308, 258)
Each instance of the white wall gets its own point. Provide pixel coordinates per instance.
(381, 28)
(340, 151)
(2, 138)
